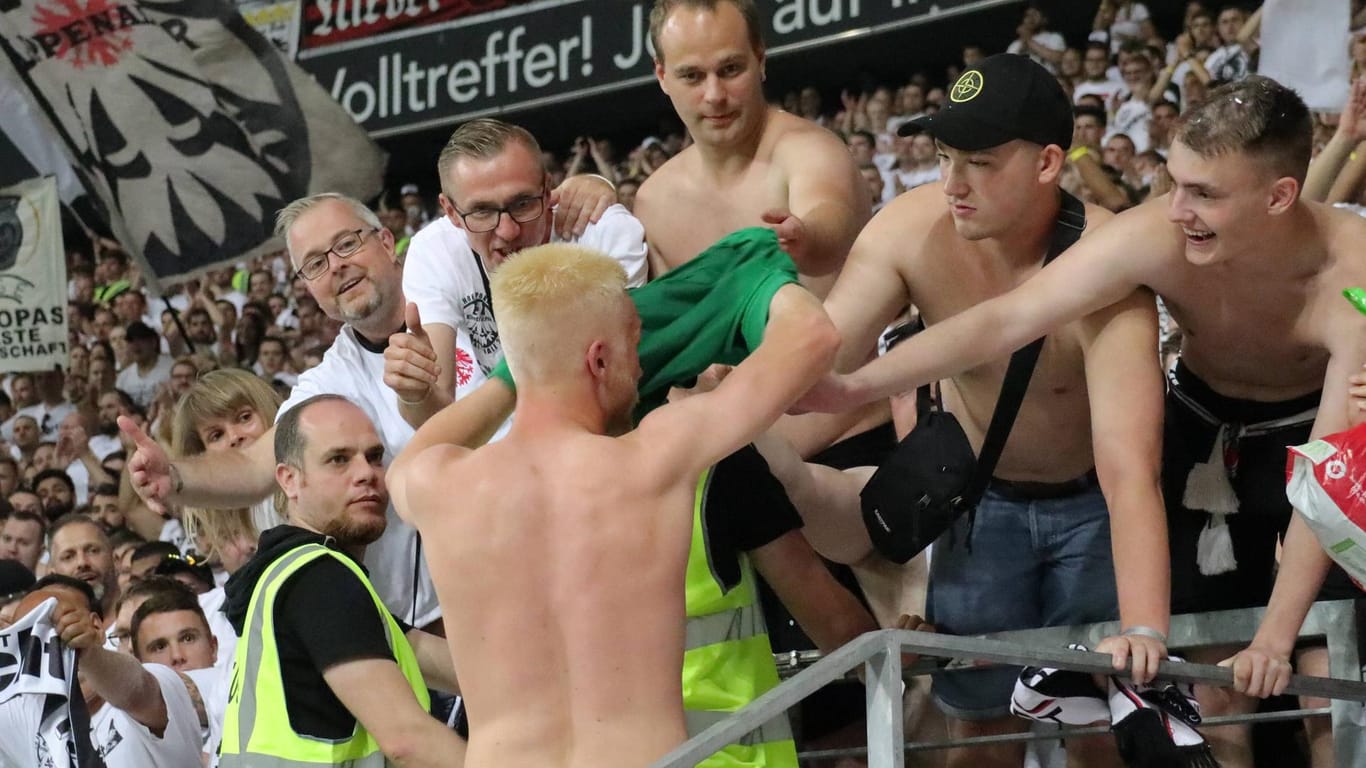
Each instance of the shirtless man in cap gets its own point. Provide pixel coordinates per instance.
(1080, 464)
(1253, 274)
(572, 655)
(750, 164)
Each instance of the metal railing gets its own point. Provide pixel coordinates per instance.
(880, 653)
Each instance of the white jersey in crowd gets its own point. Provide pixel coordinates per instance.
(36, 727)
(444, 277)
(125, 743)
(144, 388)
(357, 374)
(49, 417)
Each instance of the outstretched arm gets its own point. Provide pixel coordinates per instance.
(118, 678)
(222, 480)
(826, 204)
(798, 347)
(1101, 269)
(376, 693)
(1125, 387)
(465, 424)
(826, 498)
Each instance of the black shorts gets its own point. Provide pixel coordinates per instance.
(1259, 483)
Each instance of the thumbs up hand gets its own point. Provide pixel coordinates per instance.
(410, 367)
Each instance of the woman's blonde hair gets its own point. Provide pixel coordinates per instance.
(218, 394)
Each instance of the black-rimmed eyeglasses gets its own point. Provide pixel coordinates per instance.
(485, 219)
(343, 247)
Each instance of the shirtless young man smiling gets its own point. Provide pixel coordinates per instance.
(572, 654)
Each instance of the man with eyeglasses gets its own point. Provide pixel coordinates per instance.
(496, 199)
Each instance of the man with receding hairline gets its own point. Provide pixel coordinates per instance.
(750, 164)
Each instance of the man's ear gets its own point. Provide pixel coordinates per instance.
(595, 359)
(1284, 192)
(287, 477)
(448, 208)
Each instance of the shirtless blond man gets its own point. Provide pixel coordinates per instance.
(750, 164)
(571, 654)
(1253, 274)
(1080, 466)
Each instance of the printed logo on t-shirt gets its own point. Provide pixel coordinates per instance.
(464, 367)
(108, 741)
(483, 330)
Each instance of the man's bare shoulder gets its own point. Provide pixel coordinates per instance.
(794, 139)
(667, 177)
(1343, 233)
(428, 476)
(909, 227)
(1141, 239)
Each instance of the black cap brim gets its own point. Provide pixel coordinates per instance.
(958, 130)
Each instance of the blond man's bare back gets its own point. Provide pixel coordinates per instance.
(560, 566)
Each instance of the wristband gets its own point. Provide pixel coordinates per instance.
(1078, 153)
(604, 178)
(419, 401)
(1142, 631)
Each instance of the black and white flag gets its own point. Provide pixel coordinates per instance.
(43, 722)
(187, 126)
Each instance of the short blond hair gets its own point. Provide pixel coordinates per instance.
(210, 529)
(551, 299)
(483, 139)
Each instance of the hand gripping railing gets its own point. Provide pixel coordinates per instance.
(881, 653)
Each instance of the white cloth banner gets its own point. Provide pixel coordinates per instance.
(42, 716)
(1305, 45)
(32, 278)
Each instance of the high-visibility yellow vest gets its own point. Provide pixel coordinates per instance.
(256, 730)
(728, 661)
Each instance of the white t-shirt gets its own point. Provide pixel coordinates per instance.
(103, 445)
(444, 277)
(912, 179)
(143, 388)
(211, 603)
(213, 684)
(357, 374)
(35, 716)
(1106, 89)
(1050, 40)
(49, 418)
(125, 743)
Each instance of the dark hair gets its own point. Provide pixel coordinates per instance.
(124, 536)
(1166, 103)
(872, 140)
(23, 515)
(1256, 116)
(157, 549)
(289, 439)
(152, 585)
(59, 580)
(166, 601)
(1087, 110)
(51, 472)
(748, 9)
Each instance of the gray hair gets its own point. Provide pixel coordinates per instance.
(285, 219)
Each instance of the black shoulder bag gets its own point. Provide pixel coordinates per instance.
(932, 478)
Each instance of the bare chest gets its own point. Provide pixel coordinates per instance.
(1255, 340)
(696, 214)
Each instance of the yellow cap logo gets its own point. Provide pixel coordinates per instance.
(967, 87)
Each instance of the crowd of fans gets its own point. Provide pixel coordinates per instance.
(204, 366)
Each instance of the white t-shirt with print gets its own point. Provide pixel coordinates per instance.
(444, 277)
(125, 743)
(357, 374)
(143, 388)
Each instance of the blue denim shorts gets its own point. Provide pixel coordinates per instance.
(1034, 563)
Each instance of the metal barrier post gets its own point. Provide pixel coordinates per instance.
(886, 722)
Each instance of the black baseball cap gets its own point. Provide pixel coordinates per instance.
(1000, 99)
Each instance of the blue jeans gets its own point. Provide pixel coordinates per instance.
(1033, 564)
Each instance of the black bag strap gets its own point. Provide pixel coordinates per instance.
(1071, 222)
